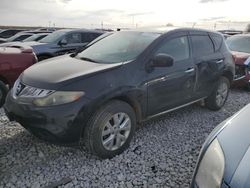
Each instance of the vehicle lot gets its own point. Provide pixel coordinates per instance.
(163, 153)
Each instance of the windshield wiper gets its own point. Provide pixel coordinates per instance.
(88, 59)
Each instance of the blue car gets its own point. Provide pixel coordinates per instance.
(224, 160)
(63, 41)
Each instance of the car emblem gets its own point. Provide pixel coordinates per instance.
(19, 88)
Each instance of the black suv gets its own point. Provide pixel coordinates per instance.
(97, 97)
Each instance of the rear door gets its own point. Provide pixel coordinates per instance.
(209, 63)
(170, 87)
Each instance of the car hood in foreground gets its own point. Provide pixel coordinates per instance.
(59, 71)
(235, 141)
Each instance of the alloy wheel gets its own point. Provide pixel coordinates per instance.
(116, 131)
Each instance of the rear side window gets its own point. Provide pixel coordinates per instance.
(178, 48)
(88, 37)
(202, 45)
(217, 41)
(73, 38)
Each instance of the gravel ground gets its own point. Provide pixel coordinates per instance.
(163, 153)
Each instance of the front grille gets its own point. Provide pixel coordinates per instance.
(22, 90)
(240, 72)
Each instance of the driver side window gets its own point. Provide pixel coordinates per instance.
(178, 48)
(73, 38)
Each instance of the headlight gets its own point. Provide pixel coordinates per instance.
(211, 169)
(58, 97)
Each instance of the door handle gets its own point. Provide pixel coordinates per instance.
(189, 70)
(219, 61)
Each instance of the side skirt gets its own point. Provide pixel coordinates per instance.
(173, 109)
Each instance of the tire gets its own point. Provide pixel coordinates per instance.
(219, 96)
(103, 135)
(248, 87)
(3, 93)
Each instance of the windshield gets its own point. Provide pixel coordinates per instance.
(118, 47)
(32, 38)
(53, 37)
(239, 43)
(13, 38)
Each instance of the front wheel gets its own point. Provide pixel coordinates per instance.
(219, 96)
(110, 130)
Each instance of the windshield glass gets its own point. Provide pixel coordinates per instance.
(13, 38)
(53, 37)
(32, 38)
(118, 47)
(239, 43)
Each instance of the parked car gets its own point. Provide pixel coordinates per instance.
(63, 41)
(98, 96)
(13, 61)
(240, 47)
(230, 32)
(6, 33)
(18, 37)
(224, 158)
(36, 37)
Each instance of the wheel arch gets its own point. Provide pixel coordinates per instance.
(229, 76)
(133, 103)
(4, 80)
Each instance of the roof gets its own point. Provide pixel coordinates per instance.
(163, 30)
(81, 30)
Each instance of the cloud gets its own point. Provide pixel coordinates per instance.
(65, 1)
(211, 1)
(213, 18)
(140, 14)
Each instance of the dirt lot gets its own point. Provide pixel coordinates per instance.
(162, 154)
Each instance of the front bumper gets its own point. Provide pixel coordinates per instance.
(242, 76)
(56, 124)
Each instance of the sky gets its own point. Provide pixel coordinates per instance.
(217, 14)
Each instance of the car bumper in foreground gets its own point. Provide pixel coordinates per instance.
(56, 124)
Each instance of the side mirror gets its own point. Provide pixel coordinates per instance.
(162, 60)
(62, 42)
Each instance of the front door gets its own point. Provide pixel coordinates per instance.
(170, 87)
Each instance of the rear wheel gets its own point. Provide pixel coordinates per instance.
(219, 96)
(3, 93)
(110, 129)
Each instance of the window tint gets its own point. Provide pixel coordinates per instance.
(217, 41)
(202, 45)
(178, 48)
(73, 38)
(22, 37)
(88, 37)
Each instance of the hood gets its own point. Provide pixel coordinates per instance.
(240, 57)
(235, 141)
(8, 50)
(34, 43)
(9, 44)
(39, 47)
(59, 71)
